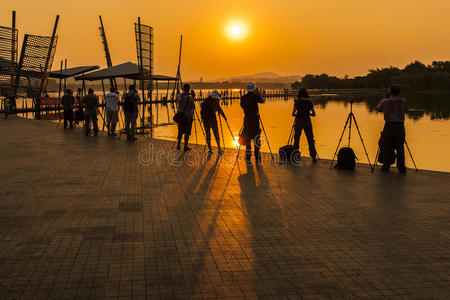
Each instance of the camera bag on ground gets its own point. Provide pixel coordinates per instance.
(289, 153)
(346, 159)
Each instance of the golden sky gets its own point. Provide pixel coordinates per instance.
(285, 36)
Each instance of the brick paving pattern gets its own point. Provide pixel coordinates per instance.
(83, 218)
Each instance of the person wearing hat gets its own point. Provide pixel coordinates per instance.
(67, 101)
(208, 113)
(251, 129)
(186, 105)
(303, 111)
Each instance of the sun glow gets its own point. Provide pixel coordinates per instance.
(236, 30)
(236, 142)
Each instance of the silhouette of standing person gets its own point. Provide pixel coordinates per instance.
(185, 104)
(208, 113)
(303, 111)
(68, 101)
(394, 108)
(251, 130)
(130, 109)
(91, 103)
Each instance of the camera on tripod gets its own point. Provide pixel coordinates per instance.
(346, 156)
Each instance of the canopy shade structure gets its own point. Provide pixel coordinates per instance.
(126, 70)
(72, 71)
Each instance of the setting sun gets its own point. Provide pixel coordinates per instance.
(236, 30)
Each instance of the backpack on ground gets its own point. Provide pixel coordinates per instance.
(289, 153)
(346, 159)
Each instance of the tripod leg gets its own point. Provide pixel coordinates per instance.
(142, 125)
(104, 123)
(376, 158)
(291, 134)
(201, 127)
(239, 151)
(350, 130)
(201, 123)
(221, 129)
(195, 130)
(410, 154)
(231, 132)
(123, 124)
(340, 140)
(360, 136)
(267, 139)
(239, 147)
(59, 121)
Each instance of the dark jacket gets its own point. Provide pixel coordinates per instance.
(303, 109)
(68, 101)
(131, 100)
(249, 103)
(91, 103)
(209, 108)
(187, 108)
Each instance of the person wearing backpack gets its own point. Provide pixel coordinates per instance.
(251, 129)
(130, 108)
(91, 103)
(394, 108)
(185, 107)
(303, 111)
(208, 113)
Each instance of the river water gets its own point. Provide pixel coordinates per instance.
(427, 125)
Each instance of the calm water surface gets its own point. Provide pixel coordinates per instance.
(427, 130)
(427, 125)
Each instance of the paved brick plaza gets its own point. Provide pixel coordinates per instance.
(82, 217)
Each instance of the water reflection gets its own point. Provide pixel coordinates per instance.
(427, 123)
(434, 105)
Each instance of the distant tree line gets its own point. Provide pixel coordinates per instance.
(415, 76)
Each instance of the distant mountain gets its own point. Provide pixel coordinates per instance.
(261, 77)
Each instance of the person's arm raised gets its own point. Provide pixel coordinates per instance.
(261, 99)
(380, 105)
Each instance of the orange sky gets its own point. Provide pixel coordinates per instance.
(285, 36)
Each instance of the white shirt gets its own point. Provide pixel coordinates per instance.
(112, 101)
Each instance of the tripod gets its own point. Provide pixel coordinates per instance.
(267, 139)
(351, 118)
(409, 151)
(231, 133)
(200, 125)
(143, 127)
(195, 117)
